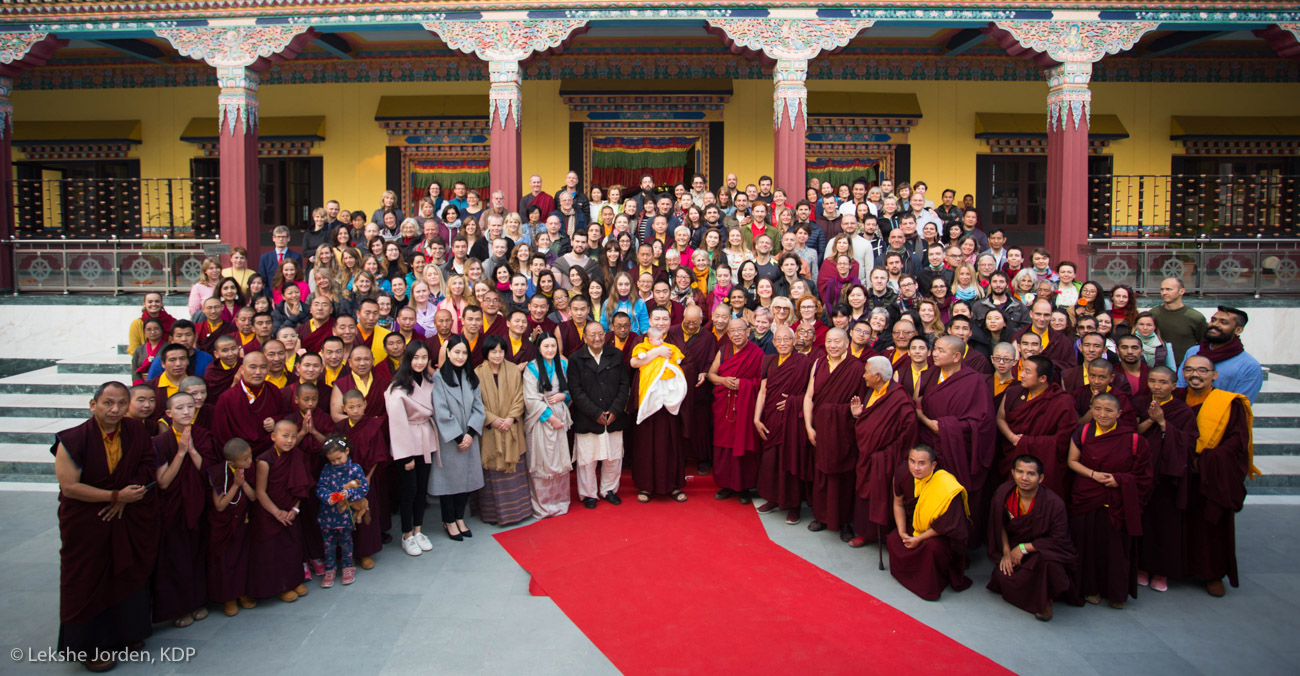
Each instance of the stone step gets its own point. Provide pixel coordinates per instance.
(50, 381)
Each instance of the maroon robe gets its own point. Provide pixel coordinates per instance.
(905, 378)
(976, 361)
(1083, 403)
(1013, 389)
(1059, 347)
(938, 561)
(369, 441)
(1104, 521)
(228, 534)
(313, 544)
(1044, 423)
(547, 326)
(1163, 550)
(527, 351)
(253, 345)
(203, 417)
(313, 341)
(1044, 573)
(326, 392)
(475, 351)
(434, 342)
(785, 466)
(205, 337)
(863, 356)
(179, 580)
(276, 553)
(885, 432)
(375, 405)
(237, 417)
(218, 378)
(963, 407)
(698, 406)
(499, 327)
(1072, 378)
(104, 567)
(735, 439)
(1122, 382)
(570, 337)
(1216, 492)
(675, 310)
(835, 453)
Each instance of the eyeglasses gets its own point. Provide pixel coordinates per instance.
(1004, 360)
(1196, 371)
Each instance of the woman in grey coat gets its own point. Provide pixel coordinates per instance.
(458, 414)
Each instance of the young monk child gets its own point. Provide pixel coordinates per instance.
(183, 451)
(230, 492)
(314, 426)
(196, 388)
(275, 566)
(142, 405)
(341, 482)
(368, 444)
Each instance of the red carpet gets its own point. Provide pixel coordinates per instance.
(668, 588)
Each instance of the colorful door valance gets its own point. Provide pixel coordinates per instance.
(843, 170)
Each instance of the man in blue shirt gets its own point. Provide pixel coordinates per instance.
(183, 333)
(1238, 371)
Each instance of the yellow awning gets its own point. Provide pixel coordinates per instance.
(1034, 125)
(431, 107)
(1188, 127)
(307, 128)
(577, 86)
(864, 104)
(91, 131)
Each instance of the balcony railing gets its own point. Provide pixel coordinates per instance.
(1192, 206)
(113, 266)
(124, 208)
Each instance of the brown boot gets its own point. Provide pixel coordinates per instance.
(247, 602)
(1215, 587)
(367, 563)
(300, 590)
(231, 609)
(289, 596)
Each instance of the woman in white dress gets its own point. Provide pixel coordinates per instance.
(546, 422)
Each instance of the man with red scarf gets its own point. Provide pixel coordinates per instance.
(886, 429)
(735, 375)
(1029, 541)
(785, 467)
(834, 382)
(108, 524)
(1237, 370)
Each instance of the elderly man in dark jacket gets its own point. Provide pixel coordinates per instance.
(599, 384)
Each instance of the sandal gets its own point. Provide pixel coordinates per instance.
(643, 496)
(679, 496)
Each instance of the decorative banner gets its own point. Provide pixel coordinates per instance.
(843, 171)
(422, 172)
(632, 177)
(640, 152)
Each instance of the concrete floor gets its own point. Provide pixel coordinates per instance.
(464, 608)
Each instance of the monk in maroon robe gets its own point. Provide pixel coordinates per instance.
(443, 322)
(1038, 422)
(927, 551)
(494, 322)
(1092, 346)
(659, 463)
(1113, 464)
(1216, 486)
(1131, 372)
(275, 560)
(368, 441)
(108, 524)
(310, 370)
(363, 378)
(249, 410)
(571, 331)
(1169, 426)
(230, 487)
(519, 349)
(313, 332)
(314, 425)
(694, 337)
(736, 373)
(834, 382)
(886, 430)
(914, 368)
(675, 309)
(1029, 540)
(183, 451)
(207, 332)
(1006, 374)
(785, 465)
(1101, 379)
(1056, 346)
(959, 423)
(221, 372)
(974, 360)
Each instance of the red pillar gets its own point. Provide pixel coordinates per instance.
(240, 222)
(6, 189)
(1068, 107)
(790, 104)
(505, 159)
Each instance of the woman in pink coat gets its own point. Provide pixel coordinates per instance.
(412, 437)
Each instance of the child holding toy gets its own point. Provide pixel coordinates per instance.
(341, 489)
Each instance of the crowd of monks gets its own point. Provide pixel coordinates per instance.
(1082, 471)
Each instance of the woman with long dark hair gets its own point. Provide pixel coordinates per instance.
(505, 497)
(412, 437)
(546, 422)
(457, 470)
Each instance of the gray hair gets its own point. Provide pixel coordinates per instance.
(280, 230)
(880, 366)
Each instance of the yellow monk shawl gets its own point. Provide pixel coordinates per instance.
(1212, 423)
(656, 370)
(933, 496)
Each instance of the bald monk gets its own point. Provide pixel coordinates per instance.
(230, 492)
(958, 421)
(320, 326)
(785, 466)
(249, 409)
(334, 356)
(143, 407)
(1113, 468)
(1029, 540)
(834, 382)
(1038, 422)
(974, 360)
(735, 374)
(1225, 457)
(494, 321)
(222, 371)
(183, 451)
(1101, 379)
(244, 330)
(276, 358)
(442, 323)
(108, 525)
(1056, 346)
(1170, 428)
(276, 553)
(345, 329)
(927, 551)
(314, 425)
(1092, 346)
(885, 429)
(902, 333)
(1005, 377)
(195, 387)
(212, 328)
(361, 377)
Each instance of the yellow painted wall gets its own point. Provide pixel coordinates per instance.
(943, 143)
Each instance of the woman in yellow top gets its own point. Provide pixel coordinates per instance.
(239, 270)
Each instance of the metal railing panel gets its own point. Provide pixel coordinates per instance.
(108, 266)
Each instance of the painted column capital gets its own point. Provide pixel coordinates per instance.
(790, 94)
(505, 95)
(14, 46)
(504, 40)
(1077, 41)
(789, 38)
(242, 46)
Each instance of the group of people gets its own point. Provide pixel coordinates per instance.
(946, 405)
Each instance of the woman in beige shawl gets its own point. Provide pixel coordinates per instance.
(546, 399)
(504, 498)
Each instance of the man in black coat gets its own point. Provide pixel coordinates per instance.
(599, 385)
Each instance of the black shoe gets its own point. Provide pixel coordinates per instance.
(724, 494)
(704, 467)
(816, 526)
(466, 533)
(745, 498)
(613, 498)
(846, 533)
(386, 538)
(447, 528)
(589, 503)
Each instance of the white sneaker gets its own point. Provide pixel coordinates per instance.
(423, 542)
(410, 547)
